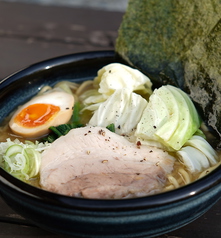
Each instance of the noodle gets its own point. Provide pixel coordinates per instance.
(173, 181)
(185, 176)
(86, 85)
(168, 188)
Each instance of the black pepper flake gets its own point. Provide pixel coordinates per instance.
(67, 108)
(118, 127)
(101, 132)
(150, 151)
(154, 127)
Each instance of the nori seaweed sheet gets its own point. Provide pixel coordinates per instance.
(177, 42)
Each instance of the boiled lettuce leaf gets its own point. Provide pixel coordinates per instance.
(123, 109)
(112, 77)
(117, 76)
(197, 154)
(91, 99)
(169, 120)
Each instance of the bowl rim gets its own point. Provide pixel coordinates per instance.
(8, 181)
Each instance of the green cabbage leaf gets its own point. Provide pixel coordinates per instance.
(169, 120)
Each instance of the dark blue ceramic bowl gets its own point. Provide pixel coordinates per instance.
(147, 216)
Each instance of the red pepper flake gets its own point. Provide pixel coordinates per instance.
(138, 144)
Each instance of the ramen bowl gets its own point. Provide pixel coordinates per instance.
(78, 217)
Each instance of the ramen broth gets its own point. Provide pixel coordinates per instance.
(179, 177)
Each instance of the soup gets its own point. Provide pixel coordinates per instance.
(128, 139)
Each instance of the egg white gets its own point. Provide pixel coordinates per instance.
(55, 97)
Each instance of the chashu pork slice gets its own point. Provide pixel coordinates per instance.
(93, 162)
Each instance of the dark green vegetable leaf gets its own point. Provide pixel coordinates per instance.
(75, 119)
(61, 130)
(111, 127)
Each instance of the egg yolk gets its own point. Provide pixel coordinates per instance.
(36, 114)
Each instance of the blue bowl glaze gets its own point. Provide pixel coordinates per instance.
(140, 217)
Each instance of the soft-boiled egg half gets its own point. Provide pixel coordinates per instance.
(34, 118)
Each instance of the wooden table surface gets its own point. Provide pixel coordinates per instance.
(31, 33)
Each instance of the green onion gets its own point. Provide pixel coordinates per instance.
(21, 160)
